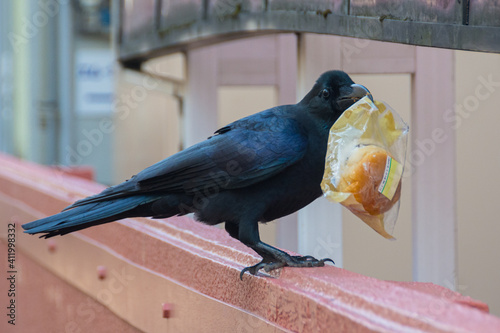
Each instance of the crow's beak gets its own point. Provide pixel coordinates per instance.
(356, 93)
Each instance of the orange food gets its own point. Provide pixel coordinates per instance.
(363, 174)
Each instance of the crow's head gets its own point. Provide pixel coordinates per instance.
(332, 94)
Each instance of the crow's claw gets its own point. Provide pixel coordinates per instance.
(327, 259)
(255, 268)
(308, 261)
(291, 261)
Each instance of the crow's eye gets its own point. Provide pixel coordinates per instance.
(325, 93)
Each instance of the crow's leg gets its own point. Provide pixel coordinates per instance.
(272, 258)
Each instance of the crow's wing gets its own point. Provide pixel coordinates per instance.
(243, 153)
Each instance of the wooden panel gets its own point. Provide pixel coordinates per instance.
(320, 223)
(436, 23)
(365, 251)
(476, 120)
(254, 48)
(249, 61)
(336, 6)
(179, 13)
(137, 17)
(363, 56)
(286, 67)
(247, 71)
(432, 165)
(271, 61)
(200, 106)
(317, 54)
(71, 309)
(440, 11)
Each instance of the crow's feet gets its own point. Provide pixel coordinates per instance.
(291, 261)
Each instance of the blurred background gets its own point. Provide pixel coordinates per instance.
(66, 100)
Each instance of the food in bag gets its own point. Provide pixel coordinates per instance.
(365, 162)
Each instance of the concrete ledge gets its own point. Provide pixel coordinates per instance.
(178, 275)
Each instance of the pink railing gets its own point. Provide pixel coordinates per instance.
(178, 275)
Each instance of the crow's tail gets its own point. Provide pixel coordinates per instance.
(85, 216)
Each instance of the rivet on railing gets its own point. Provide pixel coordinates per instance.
(167, 310)
(101, 272)
(51, 245)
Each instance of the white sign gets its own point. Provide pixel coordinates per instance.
(94, 82)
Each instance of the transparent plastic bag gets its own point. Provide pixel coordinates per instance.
(365, 162)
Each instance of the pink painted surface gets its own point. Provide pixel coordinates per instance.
(46, 303)
(85, 172)
(208, 261)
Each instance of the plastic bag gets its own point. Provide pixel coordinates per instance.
(365, 162)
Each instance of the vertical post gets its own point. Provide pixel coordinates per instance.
(66, 66)
(6, 78)
(432, 163)
(24, 133)
(35, 82)
(46, 108)
(320, 223)
(200, 106)
(286, 64)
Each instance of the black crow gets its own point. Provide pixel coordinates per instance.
(256, 169)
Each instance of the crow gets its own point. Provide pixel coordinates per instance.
(256, 169)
